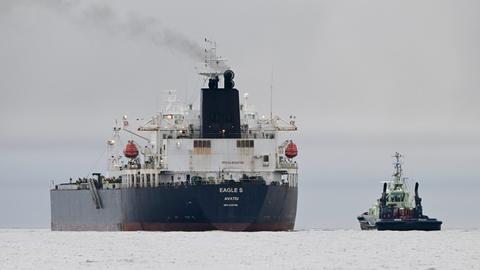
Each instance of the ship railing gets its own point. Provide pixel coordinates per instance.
(85, 183)
(115, 183)
(207, 182)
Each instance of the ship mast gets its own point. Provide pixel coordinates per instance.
(212, 65)
(399, 181)
(398, 167)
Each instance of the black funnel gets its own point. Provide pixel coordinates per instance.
(221, 109)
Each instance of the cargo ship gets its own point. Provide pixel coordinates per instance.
(397, 209)
(217, 167)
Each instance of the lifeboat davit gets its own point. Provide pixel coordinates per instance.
(131, 150)
(291, 150)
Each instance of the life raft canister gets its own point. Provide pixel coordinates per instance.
(291, 150)
(131, 150)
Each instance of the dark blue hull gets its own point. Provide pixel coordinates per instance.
(409, 225)
(233, 207)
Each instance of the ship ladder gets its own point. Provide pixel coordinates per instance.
(95, 195)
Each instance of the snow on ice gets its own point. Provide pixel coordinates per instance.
(309, 249)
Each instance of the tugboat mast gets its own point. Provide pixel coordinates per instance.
(398, 167)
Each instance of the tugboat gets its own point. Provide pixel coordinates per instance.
(396, 210)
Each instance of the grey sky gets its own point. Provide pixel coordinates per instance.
(365, 79)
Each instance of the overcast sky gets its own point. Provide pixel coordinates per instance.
(364, 78)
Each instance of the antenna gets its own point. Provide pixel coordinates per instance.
(271, 95)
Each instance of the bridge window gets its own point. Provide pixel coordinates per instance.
(245, 143)
(202, 144)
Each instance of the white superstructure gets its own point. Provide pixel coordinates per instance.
(172, 150)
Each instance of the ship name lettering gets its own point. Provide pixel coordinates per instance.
(230, 190)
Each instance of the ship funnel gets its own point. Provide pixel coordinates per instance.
(228, 76)
(418, 203)
(213, 83)
(220, 109)
(383, 199)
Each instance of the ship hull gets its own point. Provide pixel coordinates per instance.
(367, 222)
(230, 207)
(409, 225)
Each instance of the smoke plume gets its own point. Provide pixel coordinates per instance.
(103, 16)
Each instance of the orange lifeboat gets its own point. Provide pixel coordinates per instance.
(291, 150)
(131, 150)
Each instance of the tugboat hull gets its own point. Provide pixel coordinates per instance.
(367, 222)
(409, 225)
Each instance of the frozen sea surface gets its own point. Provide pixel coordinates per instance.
(309, 249)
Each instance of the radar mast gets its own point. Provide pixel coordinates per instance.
(212, 65)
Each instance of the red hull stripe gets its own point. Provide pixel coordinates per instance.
(207, 227)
